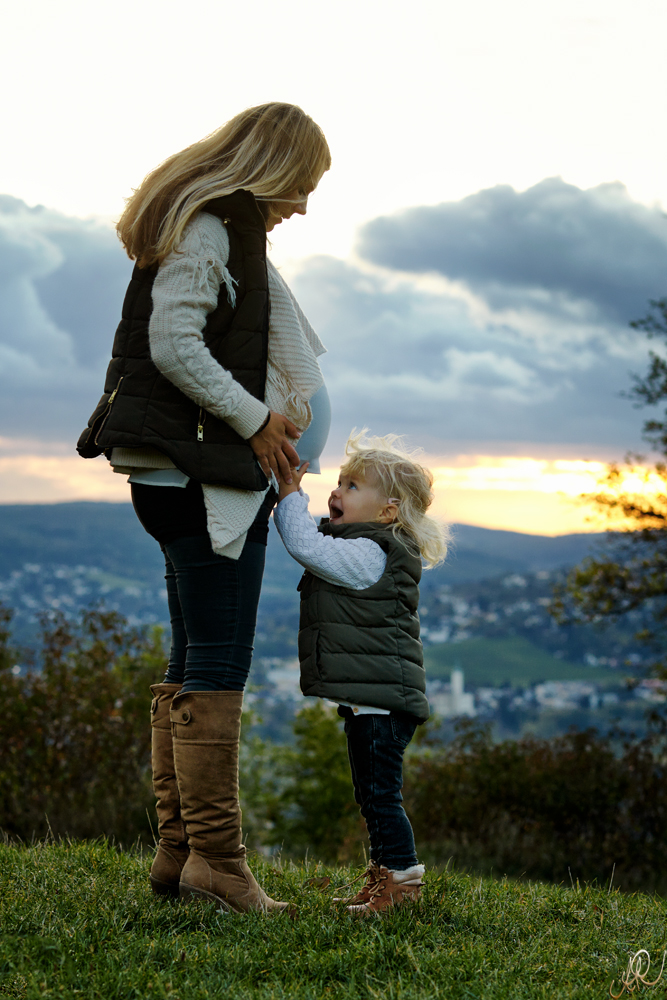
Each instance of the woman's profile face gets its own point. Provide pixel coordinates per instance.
(295, 203)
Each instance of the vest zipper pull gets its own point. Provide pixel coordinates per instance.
(113, 394)
(200, 425)
(105, 413)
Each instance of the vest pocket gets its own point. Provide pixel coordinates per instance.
(309, 653)
(317, 662)
(102, 417)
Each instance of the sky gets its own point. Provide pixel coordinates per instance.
(493, 219)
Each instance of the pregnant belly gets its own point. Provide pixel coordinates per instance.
(311, 443)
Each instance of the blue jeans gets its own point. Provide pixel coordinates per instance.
(212, 599)
(213, 610)
(375, 746)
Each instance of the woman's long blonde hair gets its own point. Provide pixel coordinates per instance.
(400, 478)
(271, 150)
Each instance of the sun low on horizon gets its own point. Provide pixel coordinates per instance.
(522, 494)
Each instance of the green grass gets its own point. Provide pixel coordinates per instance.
(79, 921)
(515, 661)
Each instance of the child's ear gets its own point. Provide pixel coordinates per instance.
(389, 513)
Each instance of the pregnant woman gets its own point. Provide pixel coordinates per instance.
(213, 379)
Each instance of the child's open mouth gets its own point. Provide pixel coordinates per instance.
(334, 511)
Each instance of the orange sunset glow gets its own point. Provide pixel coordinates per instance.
(536, 496)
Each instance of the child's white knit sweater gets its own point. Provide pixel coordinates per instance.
(185, 291)
(346, 562)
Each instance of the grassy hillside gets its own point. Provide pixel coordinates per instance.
(514, 661)
(79, 921)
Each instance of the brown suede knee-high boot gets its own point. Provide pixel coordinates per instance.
(172, 852)
(206, 730)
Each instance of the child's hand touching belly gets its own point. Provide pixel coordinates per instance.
(297, 475)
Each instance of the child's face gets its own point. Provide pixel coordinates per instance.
(357, 499)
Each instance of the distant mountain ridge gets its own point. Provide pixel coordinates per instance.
(109, 536)
(479, 553)
(106, 535)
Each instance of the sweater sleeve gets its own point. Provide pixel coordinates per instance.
(185, 291)
(347, 562)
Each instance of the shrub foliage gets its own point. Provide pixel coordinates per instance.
(582, 804)
(75, 738)
(75, 731)
(299, 798)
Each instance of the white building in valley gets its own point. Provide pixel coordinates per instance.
(451, 700)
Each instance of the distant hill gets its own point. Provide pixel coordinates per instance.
(109, 536)
(480, 553)
(72, 555)
(105, 535)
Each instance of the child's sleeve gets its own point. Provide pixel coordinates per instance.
(347, 562)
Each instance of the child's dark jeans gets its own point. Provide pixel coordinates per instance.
(375, 746)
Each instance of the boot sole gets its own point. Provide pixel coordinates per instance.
(188, 892)
(386, 910)
(164, 888)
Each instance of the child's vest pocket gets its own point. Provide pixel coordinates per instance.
(309, 656)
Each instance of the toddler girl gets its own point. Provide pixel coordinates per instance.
(359, 634)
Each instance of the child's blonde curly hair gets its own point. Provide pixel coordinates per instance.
(400, 478)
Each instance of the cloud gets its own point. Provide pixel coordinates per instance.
(445, 361)
(62, 282)
(432, 364)
(554, 247)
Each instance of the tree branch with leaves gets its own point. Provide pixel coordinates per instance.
(629, 577)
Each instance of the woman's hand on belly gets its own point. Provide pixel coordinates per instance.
(272, 447)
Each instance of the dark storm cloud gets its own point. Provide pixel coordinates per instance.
(552, 242)
(61, 288)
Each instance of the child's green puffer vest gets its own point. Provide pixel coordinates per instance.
(363, 646)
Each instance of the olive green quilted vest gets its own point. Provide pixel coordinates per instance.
(363, 646)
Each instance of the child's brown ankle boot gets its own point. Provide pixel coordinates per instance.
(363, 895)
(389, 889)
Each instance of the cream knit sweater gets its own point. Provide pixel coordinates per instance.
(185, 290)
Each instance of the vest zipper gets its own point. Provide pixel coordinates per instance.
(200, 425)
(107, 411)
(113, 394)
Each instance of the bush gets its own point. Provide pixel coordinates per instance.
(75, 739)
(75, 733)
(300, 798)
(540, 807)
(75, 729)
